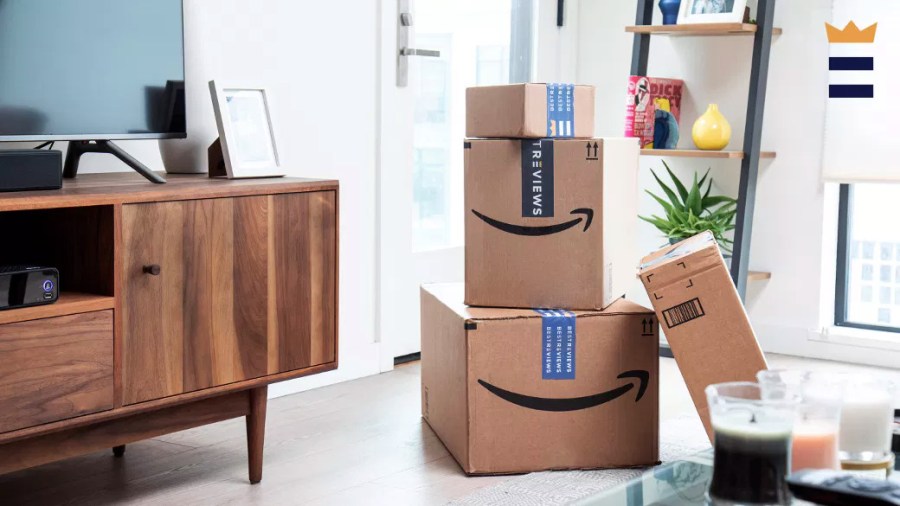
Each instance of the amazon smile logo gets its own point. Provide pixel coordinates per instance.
(573, 403)
(510, 228)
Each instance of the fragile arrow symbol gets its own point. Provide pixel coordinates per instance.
(595, 148)
(588, 149)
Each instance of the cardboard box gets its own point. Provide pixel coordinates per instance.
(702, 317)
(530, 111)
(550, 223)
(506, 398)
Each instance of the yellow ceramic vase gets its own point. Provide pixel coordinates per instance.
(711, 131)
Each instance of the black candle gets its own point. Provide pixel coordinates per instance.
(751, 462)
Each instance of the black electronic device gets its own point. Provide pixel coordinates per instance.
(24, 286)
(895, 444)
(92, 71)
(30, 169)
(835, 488)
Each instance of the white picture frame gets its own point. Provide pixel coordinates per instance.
(690, 11)
(246, 133)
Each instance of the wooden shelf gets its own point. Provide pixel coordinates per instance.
(698, 153)
(704, 29)
(758, 276)
(69, 303)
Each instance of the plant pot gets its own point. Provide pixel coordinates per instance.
(669, 10)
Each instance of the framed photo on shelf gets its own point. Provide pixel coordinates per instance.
(711, 11)
(246, 147)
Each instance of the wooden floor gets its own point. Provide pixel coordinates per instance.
(361, 442)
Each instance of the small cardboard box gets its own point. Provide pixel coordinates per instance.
(702, 316)
(515, 391)
(550, 223)
(530, 111)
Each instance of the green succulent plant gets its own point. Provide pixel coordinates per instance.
(689, 212)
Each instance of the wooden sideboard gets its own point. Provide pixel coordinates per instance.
(179, 304)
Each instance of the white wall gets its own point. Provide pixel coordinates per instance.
(318, 60)
(794, 225)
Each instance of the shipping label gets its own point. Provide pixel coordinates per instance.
(558, 344)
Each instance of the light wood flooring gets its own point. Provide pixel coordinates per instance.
(360, 442)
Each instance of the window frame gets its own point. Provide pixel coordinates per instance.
(842, 278)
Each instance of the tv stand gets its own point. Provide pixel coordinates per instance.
(181, 303)
(78, 148)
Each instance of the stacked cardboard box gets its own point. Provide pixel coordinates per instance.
(540, 364)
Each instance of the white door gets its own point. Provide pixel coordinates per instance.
(422, 129)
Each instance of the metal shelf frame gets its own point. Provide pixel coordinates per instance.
(756, 104)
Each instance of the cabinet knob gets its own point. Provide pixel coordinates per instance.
(153, 270)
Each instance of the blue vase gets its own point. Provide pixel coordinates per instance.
(669, 10)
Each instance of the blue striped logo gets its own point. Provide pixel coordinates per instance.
(851, 63)
(558, 344)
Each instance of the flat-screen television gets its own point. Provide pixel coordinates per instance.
(91, 70)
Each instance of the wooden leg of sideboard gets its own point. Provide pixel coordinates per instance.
(256, 432)
(119, 451)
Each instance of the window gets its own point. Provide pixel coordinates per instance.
(491, 65)
(868, 275)
(475, 39)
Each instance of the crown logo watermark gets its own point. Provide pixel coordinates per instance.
(851, 34)
(850, 67)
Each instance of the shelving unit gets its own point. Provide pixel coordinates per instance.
(697, 153)
(758, 276)
(750, 155)
(69, 303)
(706, 29)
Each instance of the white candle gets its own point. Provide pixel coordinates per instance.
(866, 420)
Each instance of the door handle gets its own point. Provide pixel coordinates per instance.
(404, 27)
(408, 51)
(152, 270)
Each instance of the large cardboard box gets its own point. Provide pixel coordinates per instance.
(702, 317)
(530, 111)
(515, 391)
(550, 223)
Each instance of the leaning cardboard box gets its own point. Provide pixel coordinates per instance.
(530, 111)
(515, 391)
(702, 317)
(550, 223)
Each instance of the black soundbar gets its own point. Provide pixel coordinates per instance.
(30, 169)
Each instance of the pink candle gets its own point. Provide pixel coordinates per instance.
(815, 446)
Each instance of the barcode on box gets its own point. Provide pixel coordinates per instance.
(683, 313)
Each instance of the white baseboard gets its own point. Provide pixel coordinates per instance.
(365, 363)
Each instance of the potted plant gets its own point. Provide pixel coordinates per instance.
(690, 211)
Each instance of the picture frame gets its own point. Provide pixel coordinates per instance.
(708, 11)
(246, 147)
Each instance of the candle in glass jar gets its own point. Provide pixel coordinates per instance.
(814, 446)
(866, 419)
(751, 460)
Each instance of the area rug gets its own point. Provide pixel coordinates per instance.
(679, 438)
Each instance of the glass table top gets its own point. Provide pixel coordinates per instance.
(678, 483)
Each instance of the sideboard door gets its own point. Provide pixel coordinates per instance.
(194, 300)
(304, 285)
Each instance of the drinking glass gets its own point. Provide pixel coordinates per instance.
(752, 439)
